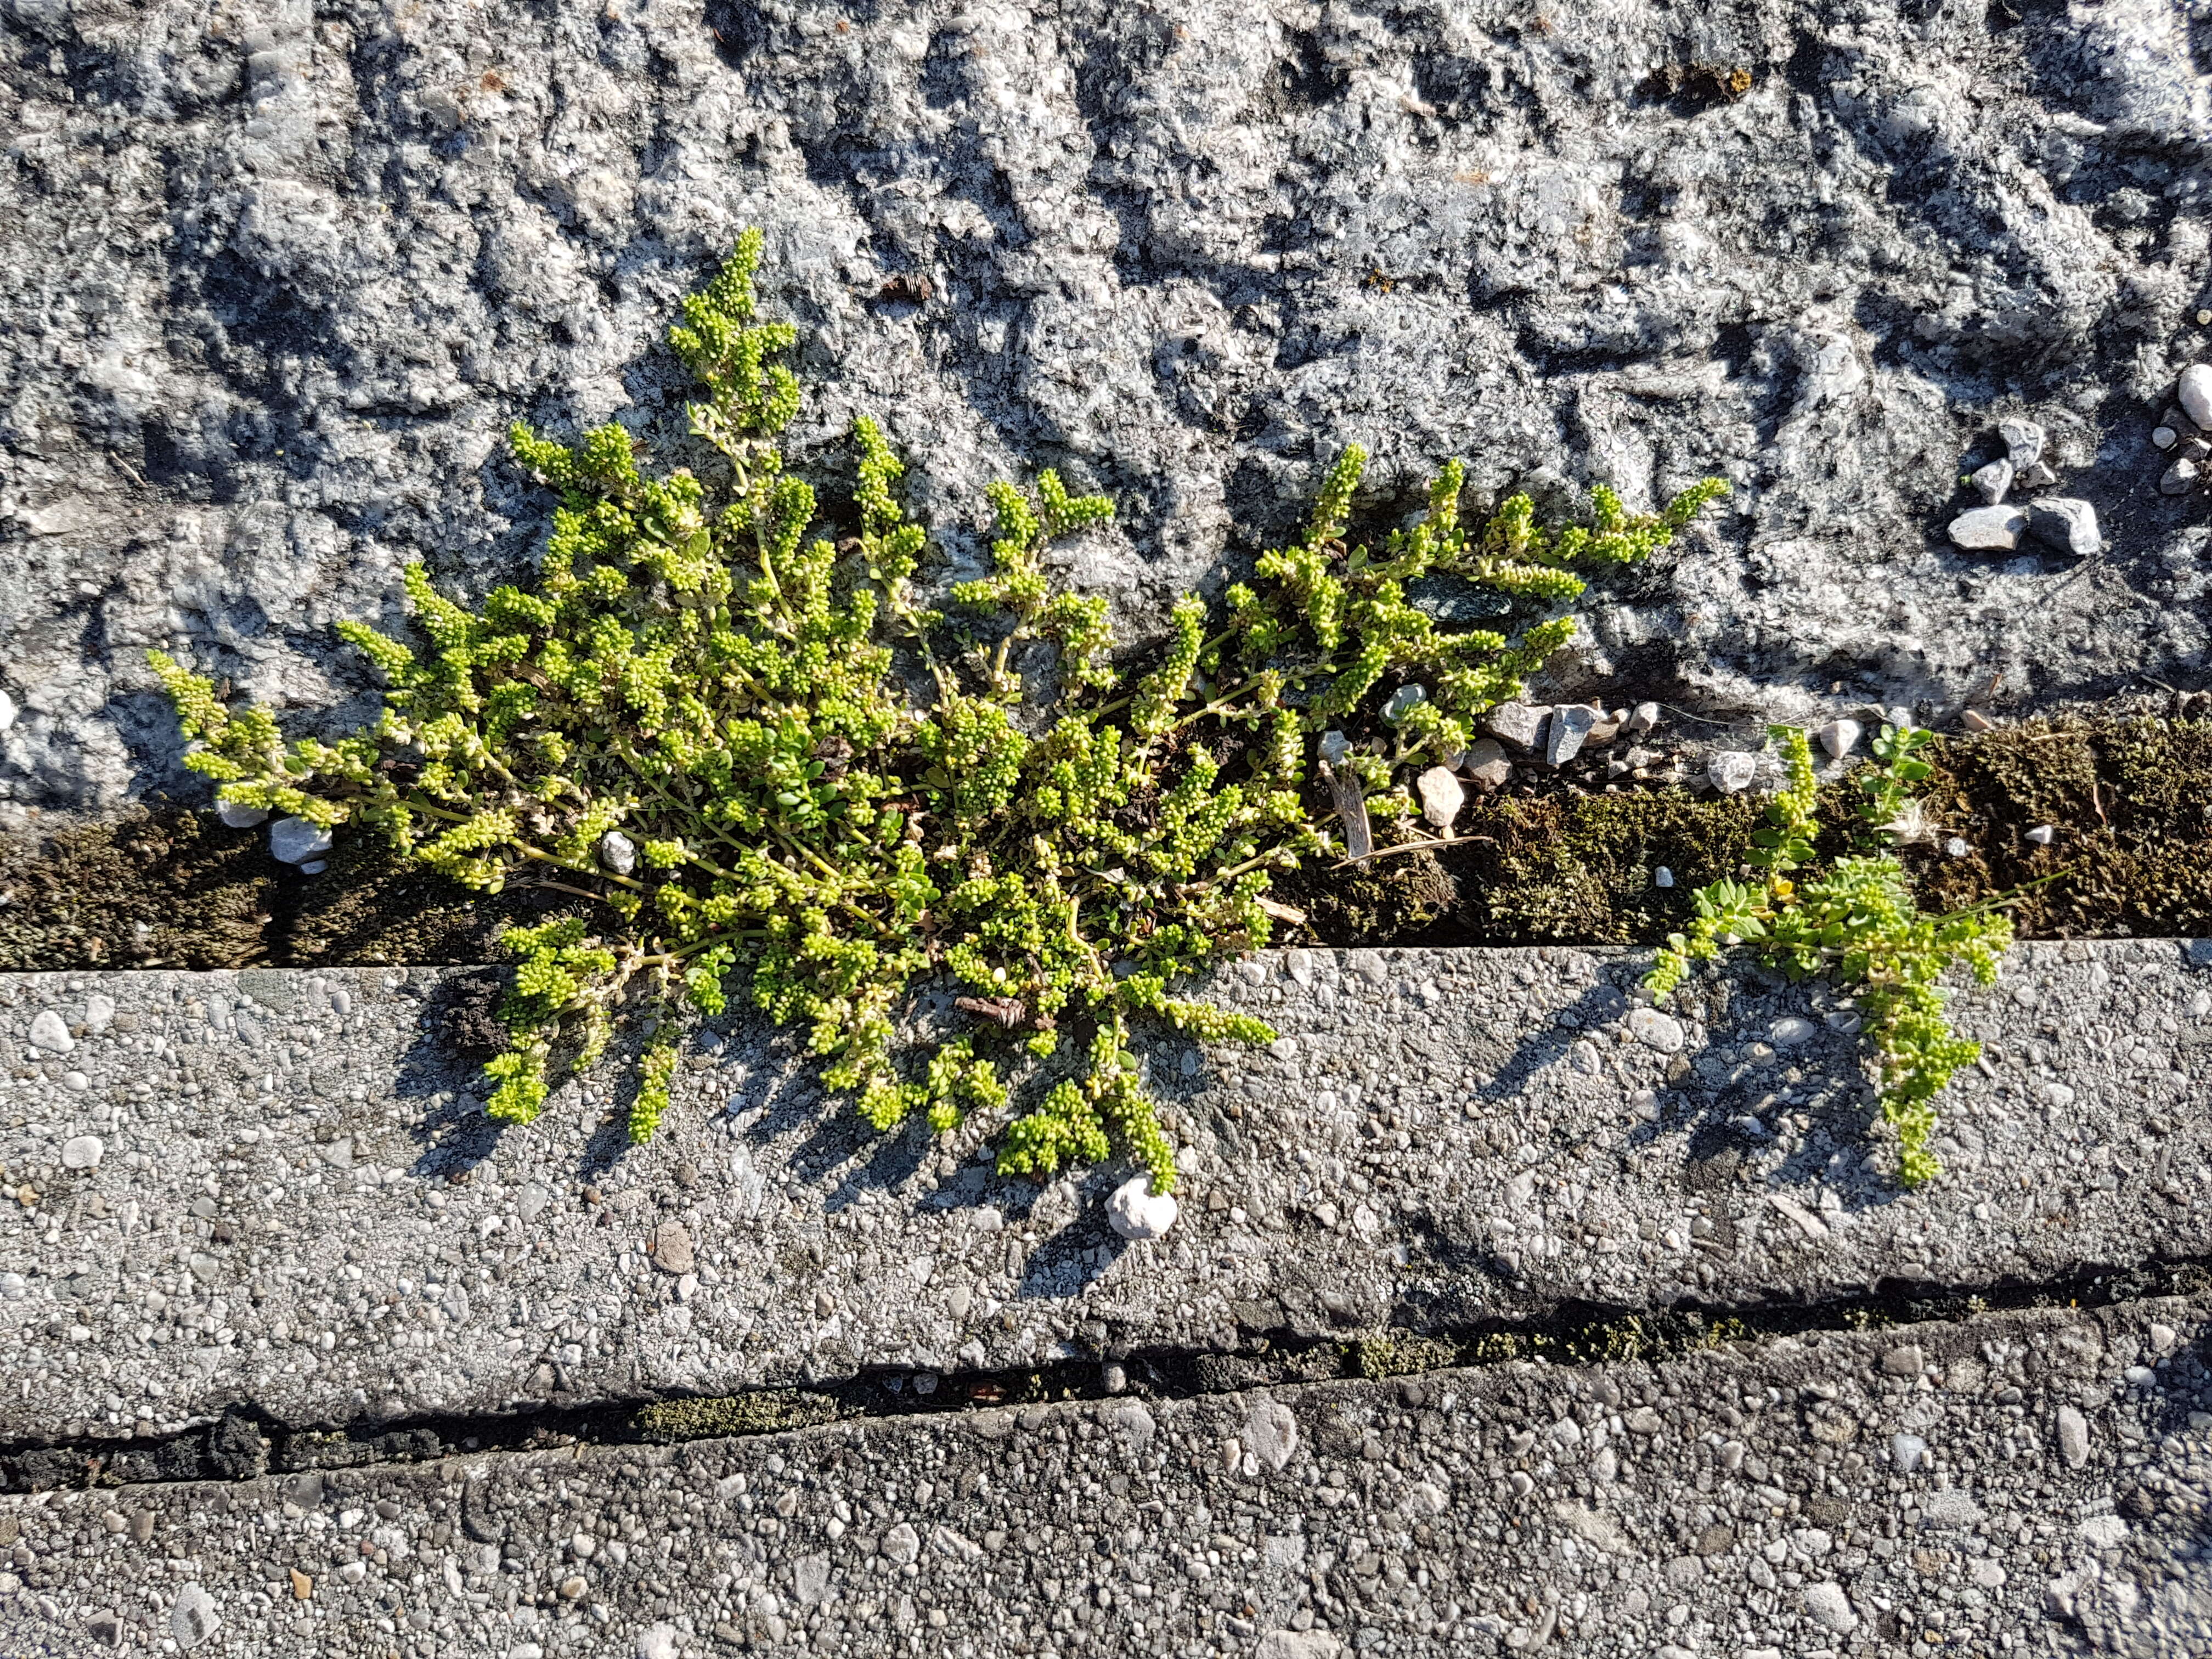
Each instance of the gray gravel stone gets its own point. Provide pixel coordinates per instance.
(1989, 529)
(2195, 395)
(2066, 523)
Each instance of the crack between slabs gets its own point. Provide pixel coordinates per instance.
(246, 1443)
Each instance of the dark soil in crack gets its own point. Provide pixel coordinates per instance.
(1555, 857)
(245, 1444)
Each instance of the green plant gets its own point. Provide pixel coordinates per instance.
(755, 755)
(1856, 922)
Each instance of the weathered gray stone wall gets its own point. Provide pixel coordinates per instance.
(278, 277)
(272, 1188)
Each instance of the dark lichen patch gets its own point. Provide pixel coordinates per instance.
(1387, 900)
(773, 1411)
(2129, 806)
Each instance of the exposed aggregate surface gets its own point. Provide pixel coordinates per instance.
(2030, 1482)
(297, 1205)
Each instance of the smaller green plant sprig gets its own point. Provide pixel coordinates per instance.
(700, 723)
(1858, 923)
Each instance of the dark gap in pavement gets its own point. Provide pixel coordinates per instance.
(245, 1443)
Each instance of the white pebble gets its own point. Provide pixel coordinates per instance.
(1905, 1451)
(1957, 848)
(1136, 1211)
(1441, 796)
(82, 1152)
(1839, 736)
(295, 840)
(1791, 1031)
(49, 1032)
(2195, 394)
(618, 851)
(6, 711)
(1732, 770)
(1662, 876)
(2041, 835)
(99, 1012)
(1657, 1030)
(235, 816)
(313, 867)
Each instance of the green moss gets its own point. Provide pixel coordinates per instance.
(2131, 804)
(774, 1411)
(1402, 1353)
(157, 888)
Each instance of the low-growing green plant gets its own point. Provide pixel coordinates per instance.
(1856, 922)
(755, 757)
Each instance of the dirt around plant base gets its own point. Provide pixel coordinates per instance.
(169, 887)
(2127, 799)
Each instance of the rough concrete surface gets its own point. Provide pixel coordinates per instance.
(297, 1208)
(2030, 1483)
(278, 277)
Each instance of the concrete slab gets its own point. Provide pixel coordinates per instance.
(2028, 1482)
(296, 1207)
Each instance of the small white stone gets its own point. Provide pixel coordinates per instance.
(2073, 1436)
(2165, 437)
(295, 840)
(82, 1152)
(1791, 1031)
(2041, 835)
(1441, 796)
(618, 851)
(2196, 395)
(1731, 771)
(1974, 721)
(193, 1617)
(1657, 1030)
(1271, 1433)
(1989, 529)
(1662, 876)
(1957, 848)
(1136, 1211)
(235, 816)
(656, 1641)
(313, 867)
(1335, 748)
(1829, 1607)
(1905, 1451)
(1840, 738)
(1642, 721)
(99, 1012)
(1403, 702)
(6, 711)
(49, 1032)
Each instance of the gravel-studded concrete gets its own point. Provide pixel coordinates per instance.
(2033, 1483)
(279, 276)
(297, 1206)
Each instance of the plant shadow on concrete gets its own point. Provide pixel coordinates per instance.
(758, 758)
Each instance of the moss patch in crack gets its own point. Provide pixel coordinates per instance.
(776, 1410)
(2129, 806)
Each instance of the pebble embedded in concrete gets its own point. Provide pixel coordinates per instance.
(82, 1152)
(50, 1031)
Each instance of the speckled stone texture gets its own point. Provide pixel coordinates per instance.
(278, 278)
(2016, 1483)
(298, 1208)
